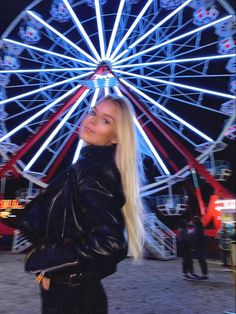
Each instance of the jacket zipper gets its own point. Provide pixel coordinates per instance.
(55, 267)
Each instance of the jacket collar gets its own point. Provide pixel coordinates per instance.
(98, 151)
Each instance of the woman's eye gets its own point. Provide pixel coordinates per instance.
(92, 113)
(105, 121)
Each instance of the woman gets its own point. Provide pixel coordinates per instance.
(77, 225)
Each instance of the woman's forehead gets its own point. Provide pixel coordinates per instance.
(107, 107)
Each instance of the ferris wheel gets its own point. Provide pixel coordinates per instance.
(174, 60)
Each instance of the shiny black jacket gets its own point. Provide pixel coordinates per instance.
(76, 224)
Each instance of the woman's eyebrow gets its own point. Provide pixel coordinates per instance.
(109, 116)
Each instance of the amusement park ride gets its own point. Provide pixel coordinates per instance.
(173, 59)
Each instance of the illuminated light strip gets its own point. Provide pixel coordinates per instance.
(117, 90)
(152, 148)
(131, 29)
(167, 111)
(106, 91)
(81, 142)
(175, 61)
(153, 29)
(100, 29)
(44, 88)
(197, 89)
(47, 51)
(52, 29)
(36, 115)
(56, 130)
(82, 30)
(158, 158)
(47, 70)
(114, 30)
(174, 39)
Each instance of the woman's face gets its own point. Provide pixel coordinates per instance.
(100, 124)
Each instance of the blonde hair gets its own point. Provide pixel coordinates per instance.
(129, 163)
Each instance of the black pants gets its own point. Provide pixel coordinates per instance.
(187, 262)
(84, 299)
(202, 259)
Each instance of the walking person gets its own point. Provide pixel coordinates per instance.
(186, 252)
(200, 247)
(81, 224)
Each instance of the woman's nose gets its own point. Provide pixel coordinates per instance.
(92, 120)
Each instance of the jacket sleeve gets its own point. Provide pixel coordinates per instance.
(102, 239)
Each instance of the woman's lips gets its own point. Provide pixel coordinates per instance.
(88, 130)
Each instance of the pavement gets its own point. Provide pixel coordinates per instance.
(150, 287)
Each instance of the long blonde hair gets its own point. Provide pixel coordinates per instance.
(128, 160)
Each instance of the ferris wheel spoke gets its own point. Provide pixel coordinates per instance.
(64, 38)
(48, 70)
(36, 115)
(201, 134)
(43, 88)
(161, 165)
(132, 27)
(100, 29)
(82, 30)
(185, 98)
(163, 169)
(169, 61)
(197, 89)
(47, 51)
(199, 29)
(153, 29)
(62, 149)
(81, 142)
(56, 130)
(114, 30)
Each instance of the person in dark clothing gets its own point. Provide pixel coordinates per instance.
(77, 225)
(186, 252)
(224, 242)
(200, 247)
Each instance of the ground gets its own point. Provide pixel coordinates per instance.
(152, 287)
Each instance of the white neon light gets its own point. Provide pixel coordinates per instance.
(152, 148)
(77, 152)
(167, 111)
(47, 51)
(158, 158)
(56, 130)
(47, 70)
(114, 30)
(175, 61)
(117, 90)
(36, 115)
(43, 88)
(153, 29)
(81, 29)
(174, 39)
(197, 89)
(81, 142)
(52, 29)
(100, 29)
(131, 28)
(106, 91)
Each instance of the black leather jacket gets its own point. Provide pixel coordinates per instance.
(76, 224)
